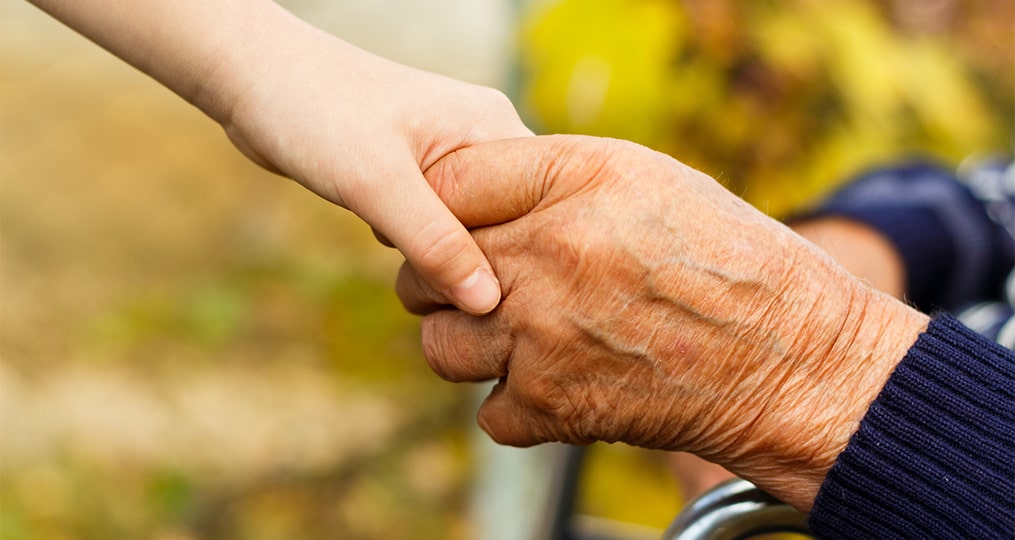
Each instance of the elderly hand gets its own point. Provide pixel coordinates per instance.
(644, 303)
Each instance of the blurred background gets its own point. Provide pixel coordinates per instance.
(191, 347)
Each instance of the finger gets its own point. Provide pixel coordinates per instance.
(497, 181)
(506, 421)
(506, 416)
(460, 347)
(417, 296)
(433, 241)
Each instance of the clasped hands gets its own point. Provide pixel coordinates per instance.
(638, 300)
(644, 303)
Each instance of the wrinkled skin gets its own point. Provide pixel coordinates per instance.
(644, 303)
(861, 250)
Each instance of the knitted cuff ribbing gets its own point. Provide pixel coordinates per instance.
(934, 457)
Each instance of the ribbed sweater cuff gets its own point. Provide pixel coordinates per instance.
(934, 457)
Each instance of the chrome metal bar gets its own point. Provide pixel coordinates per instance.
(735, 510)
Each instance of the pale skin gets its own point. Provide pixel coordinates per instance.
(644, 303)
(352, 127)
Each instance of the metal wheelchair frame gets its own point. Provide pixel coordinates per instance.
(733, 510)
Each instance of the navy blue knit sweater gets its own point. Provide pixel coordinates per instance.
(934, 456)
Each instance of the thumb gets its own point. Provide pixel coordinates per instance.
(433, 241)
(497, 181)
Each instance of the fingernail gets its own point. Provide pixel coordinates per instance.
(479, 293)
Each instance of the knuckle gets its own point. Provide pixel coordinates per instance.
(443, 176)
(562, 241)
(571, 417)
(546, 396)
(499, 117)
(495, 97)
(491, 100)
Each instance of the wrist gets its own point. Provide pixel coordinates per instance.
(248, 50)
(850, 338)
(197, 49)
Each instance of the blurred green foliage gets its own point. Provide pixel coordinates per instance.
(778, 100)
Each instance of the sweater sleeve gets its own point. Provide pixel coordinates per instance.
(934, 456)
